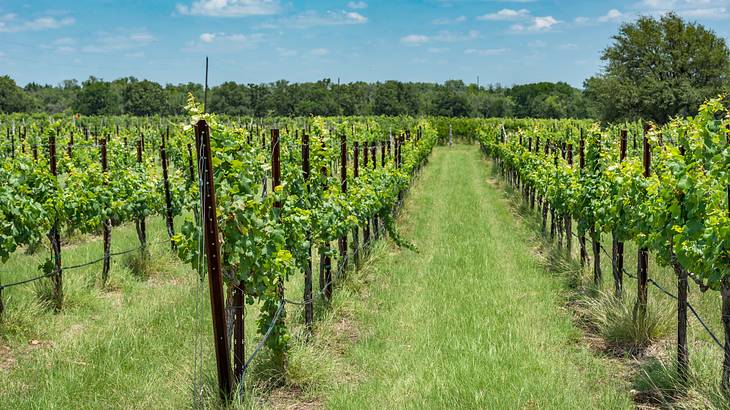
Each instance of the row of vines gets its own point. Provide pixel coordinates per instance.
(662, 188)
(280, 195)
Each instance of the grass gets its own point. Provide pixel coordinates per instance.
(649, 347)
(472, 320)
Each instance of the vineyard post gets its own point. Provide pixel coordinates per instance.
(343, 189)
(366, 230)
(168, 196)
(213, 258)
(191, 175)
(54, 235)
(325, 260)
(545, 204)
(568, 217)
(595, 234)
(107, 223)
(141, 223)
(553, 223)
(12, 143)
(382, 154)
(308, 298)
(618, 245)
(643, 256)
(276, 182)
(22, 141)
(69, 147)
(539, 199)
(582, 165)
(374, 156)
(356, 231)
(725, 294)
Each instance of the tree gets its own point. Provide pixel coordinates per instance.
(143, 98)
(12, 97)
(98, 97)
(659, 68)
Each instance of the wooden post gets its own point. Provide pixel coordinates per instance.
(595, 235)
(169, 221)
(356, 232)
(54, 235)
(366, 230)
(643, 256)
(107, 223)
(69, 148)
(213, 258)
(141, 224)
(618, 245)
(276, 182)
(725, 295)
(568, 218)
(582, 165)
(373, 154)
(308, 297)
(325, 260)
(343, 189)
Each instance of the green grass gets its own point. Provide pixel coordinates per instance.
(650, 349)
(472, 320)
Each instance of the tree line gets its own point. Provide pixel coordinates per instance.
(453, 98)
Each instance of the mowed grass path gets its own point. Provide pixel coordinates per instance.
(472, 320)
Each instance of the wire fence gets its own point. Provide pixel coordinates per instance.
(78, 266)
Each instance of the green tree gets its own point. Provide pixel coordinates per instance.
(143, 98)
(98, 97)
(12, 97)
(659, 68)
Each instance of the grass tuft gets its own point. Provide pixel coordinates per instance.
(613, 320)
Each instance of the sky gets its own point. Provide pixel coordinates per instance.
(253, 41)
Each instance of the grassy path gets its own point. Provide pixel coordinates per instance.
(472, 320)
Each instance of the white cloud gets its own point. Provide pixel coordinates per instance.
(445, 20)
(118, 40)
(313, 18)
(567, 47)
(539, 24)
(486, 52)
(286, 52)
(717, 13)
(414, 39)
(230, 8)
(63, 45)
(582, 20)
(444, 36)
(9, 23)
(505, 15)
(543, 23)
(358, 5)
(613, 15)
(658, 4)
(450, 36)
(319, 52)
(241, 39)
(437, 50)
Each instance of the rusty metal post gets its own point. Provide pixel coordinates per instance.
(213, 258)
(106, 224)
(308, 297)
(54, 235)
(169, 221)
(643, 256)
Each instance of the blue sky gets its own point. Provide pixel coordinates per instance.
(500, 41)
